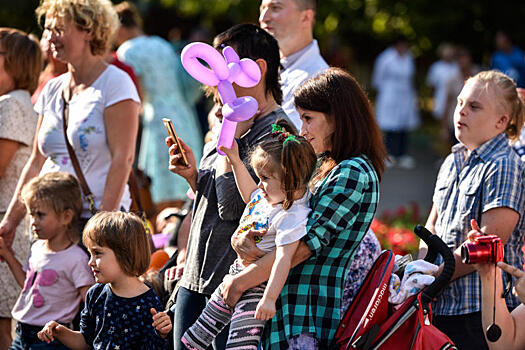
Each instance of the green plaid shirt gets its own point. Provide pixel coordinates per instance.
(342, 209)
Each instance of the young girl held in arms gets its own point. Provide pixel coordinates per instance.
(119, 308)
(56, 273)
(279, 205)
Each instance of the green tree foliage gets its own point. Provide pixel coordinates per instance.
(362, 27)
(19, 14)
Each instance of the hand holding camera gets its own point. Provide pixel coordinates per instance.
(481, 248)
(486, 251)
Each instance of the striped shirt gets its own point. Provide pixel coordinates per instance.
(343, 206)
(491, 177)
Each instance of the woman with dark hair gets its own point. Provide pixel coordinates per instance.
(338, 121)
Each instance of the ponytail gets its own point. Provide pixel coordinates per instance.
(516, 121)
(298, 163)
(512, 99)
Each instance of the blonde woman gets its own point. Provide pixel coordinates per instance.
(103, 109)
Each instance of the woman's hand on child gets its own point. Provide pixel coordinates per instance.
(161, 322)
(230, 294)
(244, 245)
(50, 330)
(265, 309)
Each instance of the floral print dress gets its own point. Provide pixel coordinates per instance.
(17, 123)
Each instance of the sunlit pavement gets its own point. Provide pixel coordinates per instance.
(401, 186)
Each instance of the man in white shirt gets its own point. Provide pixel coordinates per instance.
(291, 22)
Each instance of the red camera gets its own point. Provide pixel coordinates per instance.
(485, 249)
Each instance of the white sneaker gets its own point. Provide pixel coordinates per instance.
(406, 162)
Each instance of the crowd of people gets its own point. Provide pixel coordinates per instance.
(277, 243)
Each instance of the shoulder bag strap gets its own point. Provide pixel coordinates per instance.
(66, 94)
(132, 181)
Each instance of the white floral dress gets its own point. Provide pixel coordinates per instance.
(17, 123)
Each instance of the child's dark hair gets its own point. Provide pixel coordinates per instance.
(295, 156)
(125, 235)
(60, 191)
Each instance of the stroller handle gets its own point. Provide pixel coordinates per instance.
(436, 246)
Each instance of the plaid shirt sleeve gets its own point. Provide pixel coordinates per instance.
(337, 206)
(503, 186)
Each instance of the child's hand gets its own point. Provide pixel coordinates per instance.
(484, 270)
(161, 322)
(265, 309)
(49, 332)
(232, 153)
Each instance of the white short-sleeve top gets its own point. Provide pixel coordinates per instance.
(86, 129)
(283, 226)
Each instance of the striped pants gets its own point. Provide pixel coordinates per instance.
(245, 330)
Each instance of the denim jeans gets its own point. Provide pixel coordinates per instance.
(27, 339)
(188, 308)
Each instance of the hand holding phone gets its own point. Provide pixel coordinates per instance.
(171, 132)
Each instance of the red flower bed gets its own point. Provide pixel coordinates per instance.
(395, 229)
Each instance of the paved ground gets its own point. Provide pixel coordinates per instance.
(400, 186)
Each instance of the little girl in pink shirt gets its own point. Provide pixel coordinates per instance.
(56, 276)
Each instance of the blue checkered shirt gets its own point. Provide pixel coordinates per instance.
(343, 207)
(491, 177)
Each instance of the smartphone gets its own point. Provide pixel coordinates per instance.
(171, 132)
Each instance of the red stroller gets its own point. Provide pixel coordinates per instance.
(369, 322)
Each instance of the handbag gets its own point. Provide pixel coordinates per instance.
(428, 336)
(132, 181)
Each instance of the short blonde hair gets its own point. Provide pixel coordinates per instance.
(60, 191)
(97, 17)
(22, 59)
(510, 99)
(125, 235)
